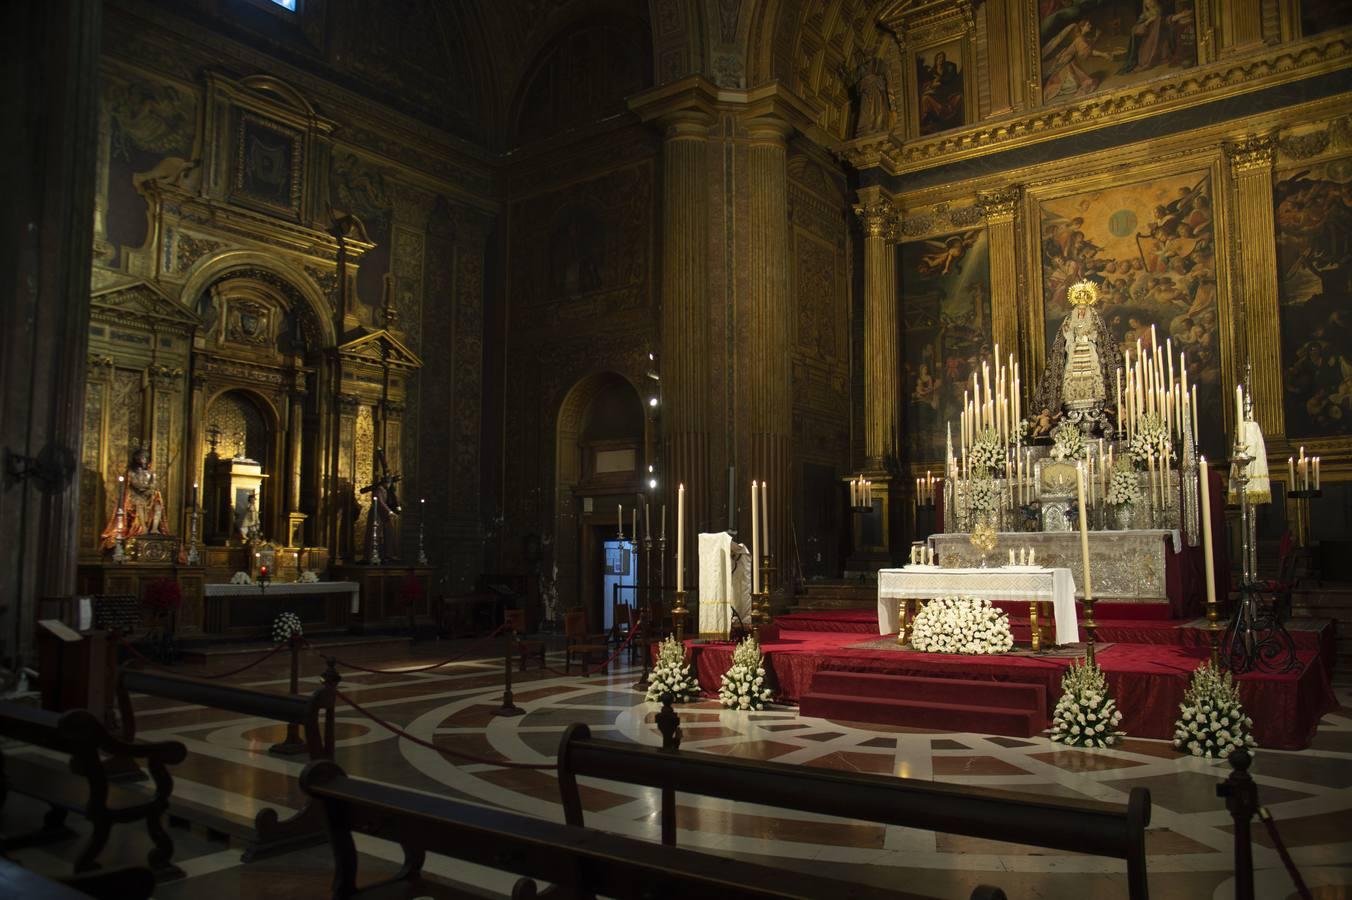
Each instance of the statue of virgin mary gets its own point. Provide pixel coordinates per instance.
(1083, 358)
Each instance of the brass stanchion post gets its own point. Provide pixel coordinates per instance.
(508, 708)
(292, 745)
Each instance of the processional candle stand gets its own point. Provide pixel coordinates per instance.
(647, 609)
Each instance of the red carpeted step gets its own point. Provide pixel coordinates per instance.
(1010, 695)
(922, 714)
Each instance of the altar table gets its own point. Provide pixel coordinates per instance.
(1036, 585)
(243, 608)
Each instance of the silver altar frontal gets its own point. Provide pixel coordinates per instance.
(1127, 565)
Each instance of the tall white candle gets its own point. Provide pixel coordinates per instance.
(1209, 565)
(1084, 534)
(765, 519)
(619, 520)
(755, 538)
(680, 536)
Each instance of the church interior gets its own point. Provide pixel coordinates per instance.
(740, 448)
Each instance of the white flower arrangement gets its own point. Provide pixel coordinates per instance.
(743, 684)
(983, 495)
(285, 627)
(309, 576)
(987, 453)
(1068, 443)
(671, 675)
(1085, 716)
(1150, 435)
(1123, 489)
(241, 578)
(1211, 721)
(961, 625)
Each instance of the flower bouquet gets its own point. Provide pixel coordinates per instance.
(987, 453)
(1085, 716)
(961, 625)
(1068, 443)
(743, 684)
(1211, 721)
(285, 627)
(983, 497)
(1150, 436)
(671, 675)
(241, 578)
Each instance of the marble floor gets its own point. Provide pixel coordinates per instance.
(229, 776)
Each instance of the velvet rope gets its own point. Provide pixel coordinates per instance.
(459, 656)
(627, 641)
(244, 668)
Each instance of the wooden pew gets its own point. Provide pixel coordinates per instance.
(1079, 826)
(271, 834)
(84, 787)
(580, 862)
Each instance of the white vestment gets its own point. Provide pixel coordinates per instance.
(724, 583)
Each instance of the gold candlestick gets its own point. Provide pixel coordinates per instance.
(678, 614)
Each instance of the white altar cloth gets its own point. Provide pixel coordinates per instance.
(290, 589)
(724, 582)
(1020, 583)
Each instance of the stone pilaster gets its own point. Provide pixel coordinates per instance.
(1254, 281)
(881, 372)
(1000, 208)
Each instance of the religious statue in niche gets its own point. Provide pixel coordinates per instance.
(874, 111)
(248, 526)
(1080, 368)
(140, 508)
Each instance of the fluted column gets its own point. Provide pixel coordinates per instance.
(1256, 264)
(881, 374)
(769, 332)
(1000, 208)
(685, 346)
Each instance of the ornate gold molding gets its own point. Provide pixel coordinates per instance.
(1000, 205)
(1254, 152)
(879, 218)
(1195, 86)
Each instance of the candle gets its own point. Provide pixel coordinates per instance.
(619, 520)
(1169, 355)
(1011, 556)
(664, 523)
(1208, 563)
(680, 536)
(1193, 404)
(1291, 474)
(854, 494)
(755, 539)
(1239, 408)
(1117, 410)
(633, 531)
(647, 521)
(1316, 473)
(765, 518)
(1150, 466)
(1032, 556)
(194, 495)
(1084, 534)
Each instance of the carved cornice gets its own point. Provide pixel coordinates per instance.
(941, 218)
(1000, 205)
(1255, 152)
(1338, 134)
(1192, 87)
(142, 304)
(917, 23)
(163, 377)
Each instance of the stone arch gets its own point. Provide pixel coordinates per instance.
(307, 297)
(568, 472)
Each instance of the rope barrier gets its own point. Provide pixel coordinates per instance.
(209, 677)
(605, 665)
(1271, 823)
(459, 754)
(459, 656)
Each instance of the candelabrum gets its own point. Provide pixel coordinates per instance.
(373, 556)
(678, 614)
(1303, 498)
(194, 555)
(422, 552)
(642, 595)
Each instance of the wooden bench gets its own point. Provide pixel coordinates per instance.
(580, 862)
(81, 736)
(1098, 829)
(271, 833)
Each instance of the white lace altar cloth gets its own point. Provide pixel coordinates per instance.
(724, 583)
(927, 583)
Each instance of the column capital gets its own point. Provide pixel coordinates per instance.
(877, 214)
(1257, 151)
(685, 108)
(1000, 205)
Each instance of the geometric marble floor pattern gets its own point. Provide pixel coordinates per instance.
(1189, 842)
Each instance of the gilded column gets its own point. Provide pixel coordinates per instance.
(1000, 208)
(1255, 266)
(881, 372)
(685, 359)
(768, 377)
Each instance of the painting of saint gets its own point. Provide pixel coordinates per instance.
(946, 314)
(939, 87)
(1314, 264)
(1150, 249)
(1093, 45)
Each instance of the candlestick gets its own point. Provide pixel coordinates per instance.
(647, 524)
(680, 537)
(1084, 557)
(1208, 564)
(664, 523)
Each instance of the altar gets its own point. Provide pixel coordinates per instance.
(248, 609)
(1036, 584)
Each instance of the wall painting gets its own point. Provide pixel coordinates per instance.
(1094, 45)
(938, 76)
(946, 331)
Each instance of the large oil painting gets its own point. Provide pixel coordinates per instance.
(1094, 45)
(938, 78)
(1150, 247)
(1314, 262)
(946, 331)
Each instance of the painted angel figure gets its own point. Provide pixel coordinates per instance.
(946, 256)
(1064, 59)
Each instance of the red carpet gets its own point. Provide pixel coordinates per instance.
(1148, 680)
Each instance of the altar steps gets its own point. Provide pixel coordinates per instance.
(944, 704)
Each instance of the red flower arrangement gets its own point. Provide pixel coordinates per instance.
(163, 595)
